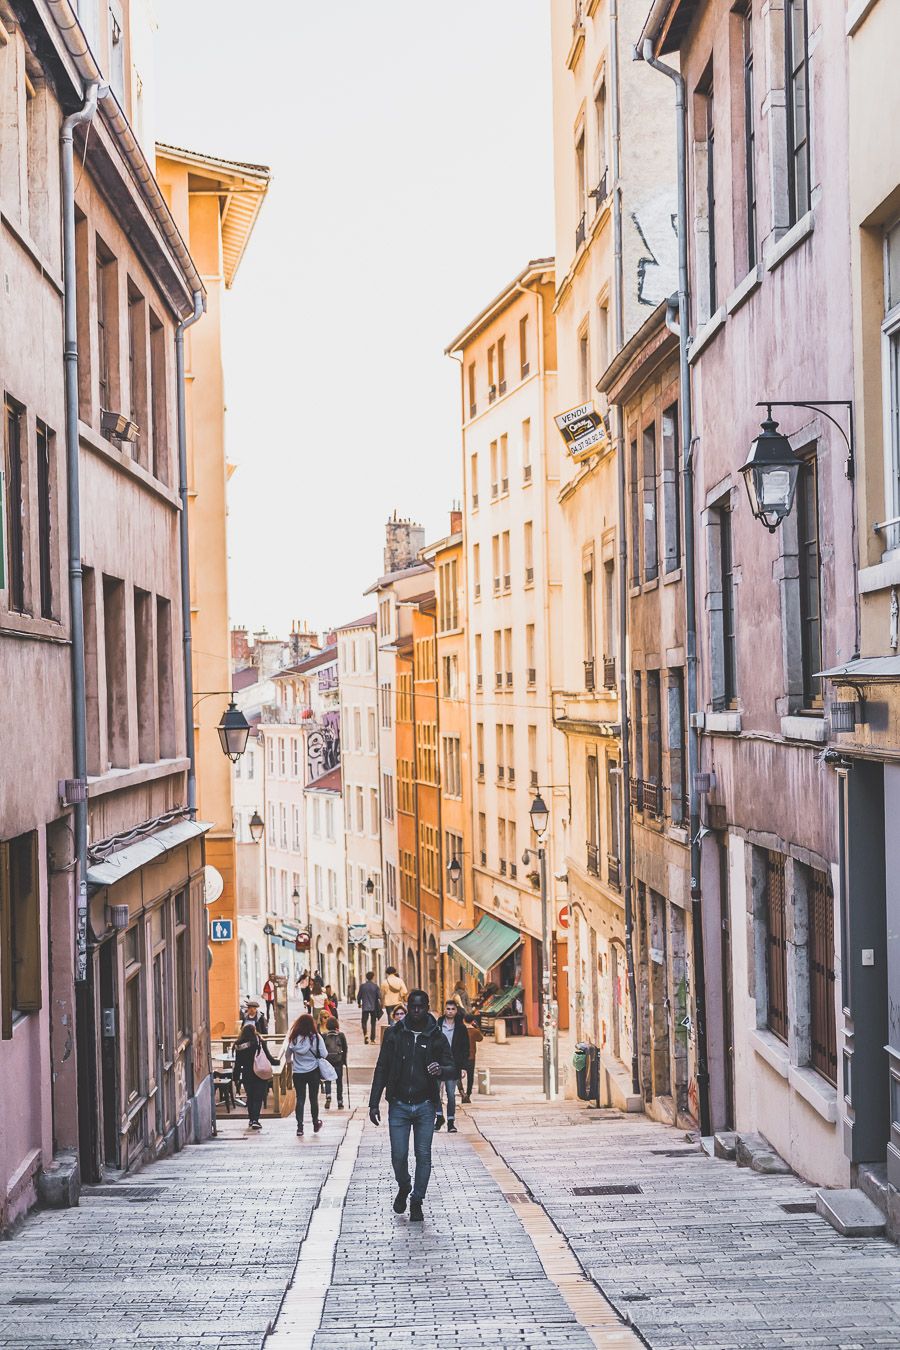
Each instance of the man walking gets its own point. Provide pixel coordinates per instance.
(393, 992)
(414, 1056)
(454, 1031)
(475, 1035)
(369, 999)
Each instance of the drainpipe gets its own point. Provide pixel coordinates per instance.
(181, 417)
(625, 780)
(687, 475)
(85, 1019)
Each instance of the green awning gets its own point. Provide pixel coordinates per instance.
(486, 945)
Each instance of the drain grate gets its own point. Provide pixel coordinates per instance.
(607, 1190)
(28, 1299)
(800, 1207)
(686, 1151)
(133, 1194)
(517, 1197)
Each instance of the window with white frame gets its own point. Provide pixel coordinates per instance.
(295, 821)
(890, 330)
(372, 730)
(360, 812)
(329, 819)
(374, 815)
(317, 817)
(390, 873)
(284, 829)
(295, 756)
(387, 795)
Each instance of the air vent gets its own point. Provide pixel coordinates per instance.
(800, 1207)
(607, 1190)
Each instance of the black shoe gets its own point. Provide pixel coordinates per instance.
(439, 1122)
(400, 1200)
(415, 1211)
(327, 1103)
(366, 1040)
(467, 1099)
(451, 1126)
(317, 1125)
(340, 1105)
(299, 1129)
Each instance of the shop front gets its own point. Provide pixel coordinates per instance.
(506, 966)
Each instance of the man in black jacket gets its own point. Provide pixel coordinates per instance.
(454, 1031)
(414, 1056)
(369, 1000)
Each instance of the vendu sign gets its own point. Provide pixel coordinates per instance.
(582, 430)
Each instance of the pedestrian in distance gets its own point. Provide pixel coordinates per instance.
(414, 1056)
(254, 1015)
(253, 1068)
(305, 1050)
(454, 1030)
(393, 991)
(475, 1034)
(398, 1012)
(336, 1052)
(269, 996)
(461, 997)
(331, 1003)
(369, 1001)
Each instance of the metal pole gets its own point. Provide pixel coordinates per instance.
(181, 422)
(551, 1035)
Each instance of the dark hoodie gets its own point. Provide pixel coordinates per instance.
(402, 1068)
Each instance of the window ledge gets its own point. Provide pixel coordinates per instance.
(804, 729)
(101, 446)
(723, 723)
(744, 290)
(116, 779)
(815, 1090)
(670, 577)
(792, 239)
(772, 1050)
(705, 335)
(881, 575)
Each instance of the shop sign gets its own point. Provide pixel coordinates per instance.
(357, 934)
(583, 431)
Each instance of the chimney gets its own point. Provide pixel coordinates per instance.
(240, 649)
(456, 518)
(403, 541)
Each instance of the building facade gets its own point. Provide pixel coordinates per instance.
(615, 262)
(510, 521)
(766, 227)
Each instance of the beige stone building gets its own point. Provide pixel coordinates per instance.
(511, 466)
(615, 262)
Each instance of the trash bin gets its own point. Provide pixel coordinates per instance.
(586, 1062)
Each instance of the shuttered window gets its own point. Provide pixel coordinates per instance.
(823, 1032)
(776, 947)
(20, 929)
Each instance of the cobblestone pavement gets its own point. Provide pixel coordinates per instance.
(266, 1240)
(705, 1256)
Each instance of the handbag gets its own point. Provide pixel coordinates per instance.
(262, 1065)
(327, 1071)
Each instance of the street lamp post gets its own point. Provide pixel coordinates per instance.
(540, 818)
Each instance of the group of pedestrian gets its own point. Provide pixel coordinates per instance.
(462, 1035)
(375, 1000)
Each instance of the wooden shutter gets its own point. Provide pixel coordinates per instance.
(823, 1031)
(776, 946)
(26, 922)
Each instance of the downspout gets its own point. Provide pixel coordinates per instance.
(440, 805)
(687, 474)
(181, 416)
(85, 1019)
(385, 956)
(415, 769)
(625, 779)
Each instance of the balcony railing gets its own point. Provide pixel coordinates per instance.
(609, 672)
(593, 859)
(589, 674)
(532, 675)
(529, 576)
(503, 867)
(580, 232)
(526, 473)
(534, 778)
(636, 793)
(601, 191)
(509, 676)
(652, 795)
(273, 715)
(510, 774)
(474, 501)
(613, 870)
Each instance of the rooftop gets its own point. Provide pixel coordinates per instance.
(242, 187)
(531, 271)
(329, 782)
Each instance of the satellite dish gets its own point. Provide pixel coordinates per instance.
(213, 884)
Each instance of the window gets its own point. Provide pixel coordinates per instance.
(183, 970)
(317, 817)
(282, 817)
(510, 753)
(651, 560)
(295, 829)
(137, 370)
(165, 684)
(507, 647)
(20, 930)
(532, 756)
(429, 852)
(796, 57)
(653, 797)
(386, 698)
(776, 946)
(584, 365)
(317, 884)
(638, 742)
(492, 383)
(504, 463)
(501, 845)
(473, 407)
(711, 261)
(495, 559)
(634, 488)
(482, 838)
(117, 748)
(473, 481)
(599, 193)
(891, 356)
(526, 450)
(452, 766)
(357, 729)
(374, 812)
(15, 504)
(360, 811)
(498, 659)
(592, 807)
(479, 669)
(723, 631)
(501, 767)
(426, 752)
(448, 596)
(407, 877)
(405, 785)
(530, 658)
(479, 749)
(145, 676)
(529, 552)
(107, 328)
(587, 596)
(495, 485)
(46, 481)
(820, 918)
(453, 848)
(505, 560)
(450, 676)
(809, 562)
(580, 190)
(385, 617)
(613, 775)
(372, 730)
(671, 486)
(282, 757)
(609, 622)
(295, 757)
(157, 399)
(501, 365)
(390, 873)
(676, 746)
(250, 761)
(746, 22)
(117, 53)
(387, 795)
(404, 696)
(524, 364)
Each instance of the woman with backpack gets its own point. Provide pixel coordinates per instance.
(305, 1050)
(253, 1070)
(336, 1048)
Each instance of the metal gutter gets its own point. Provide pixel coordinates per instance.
(184, 546)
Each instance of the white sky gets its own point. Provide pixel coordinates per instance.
(411, 148)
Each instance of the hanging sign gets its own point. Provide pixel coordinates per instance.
(583, 431)
(213, 884)
(357, 934)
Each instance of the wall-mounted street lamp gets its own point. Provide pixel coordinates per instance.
(257, 827)
(772, 467)
(454, 870)
(540, 819)
(234, 732)
(539, 815)
(370, 887)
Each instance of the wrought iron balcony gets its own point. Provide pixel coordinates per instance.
(503, 867)
(601, 191)
(589, 674)
(532, 675)
(613, 870)
(636, 793)
(593, 859)
(652, 799)
(580, 232)
(526, 473)
(609, 672)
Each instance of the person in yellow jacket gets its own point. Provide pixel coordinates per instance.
(393, 991)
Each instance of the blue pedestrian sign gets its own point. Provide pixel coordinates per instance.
(221, 930)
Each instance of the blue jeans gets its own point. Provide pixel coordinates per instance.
(448, 1085)
(403, 1117)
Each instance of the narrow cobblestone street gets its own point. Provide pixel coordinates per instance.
(270, 1241)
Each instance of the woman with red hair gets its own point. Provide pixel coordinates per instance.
(304, 1050)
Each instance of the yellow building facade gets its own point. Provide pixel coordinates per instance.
(215, 204)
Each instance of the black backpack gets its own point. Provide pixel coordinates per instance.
(333, 1046)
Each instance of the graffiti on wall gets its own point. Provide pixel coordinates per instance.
(657, 267)
(323, 746)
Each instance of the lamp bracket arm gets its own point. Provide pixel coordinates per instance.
(820, 406)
